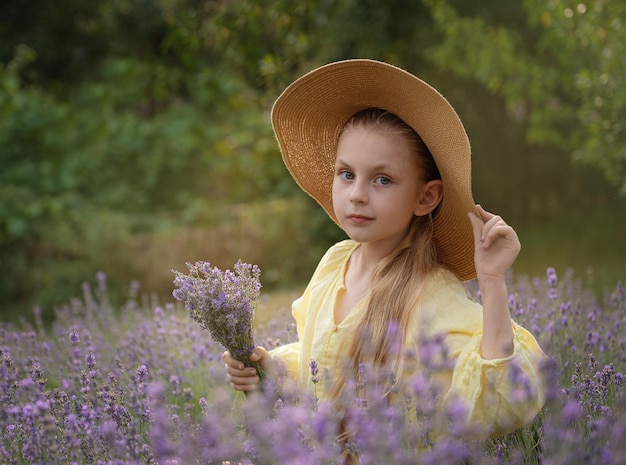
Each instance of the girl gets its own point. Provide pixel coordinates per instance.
(388, 159)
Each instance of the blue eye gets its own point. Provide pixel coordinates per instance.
(346, 175)
(382, 180)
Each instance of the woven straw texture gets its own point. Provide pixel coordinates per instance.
(309, 115)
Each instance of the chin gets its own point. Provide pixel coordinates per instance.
(358, 237)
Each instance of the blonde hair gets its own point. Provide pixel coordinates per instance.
(379, 339)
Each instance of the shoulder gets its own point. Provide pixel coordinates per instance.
(328, 270)
(334, 259)
(339, 252)
(442, 283)
(446, 304)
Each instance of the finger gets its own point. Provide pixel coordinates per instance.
(230, 361)
(240, 372)
(226, 357)
(234, 364)
(504, 231)
(489, 220)
(245, 383)
(241, 380)
(494, 232)
(258, 353)
(484, 214)
(494, 222)
(244, 387)
(491, 229)
(477, 228)
(262, 356)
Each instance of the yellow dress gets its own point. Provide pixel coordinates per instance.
(487, 389)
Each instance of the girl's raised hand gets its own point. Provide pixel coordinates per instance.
(244, 378)
(495, 244)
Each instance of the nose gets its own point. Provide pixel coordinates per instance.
(358, 193)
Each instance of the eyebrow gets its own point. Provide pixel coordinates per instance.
(382, 166)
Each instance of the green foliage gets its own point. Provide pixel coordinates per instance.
(560, 69)
(123, 143)
(125, 124)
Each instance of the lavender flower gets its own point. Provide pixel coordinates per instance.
(223, 302)
(153, 402)
(552, 279)
(315, 378)
(314, 367)
(142, 373)
(74, 338)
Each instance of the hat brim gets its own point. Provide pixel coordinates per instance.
(310, 114)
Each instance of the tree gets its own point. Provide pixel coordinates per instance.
(124, 118)
(561, 69)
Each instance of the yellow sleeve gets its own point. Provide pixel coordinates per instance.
(498, 395)
(289, 354)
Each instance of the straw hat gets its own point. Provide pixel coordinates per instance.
(308, 118)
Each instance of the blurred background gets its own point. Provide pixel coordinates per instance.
(135, 134)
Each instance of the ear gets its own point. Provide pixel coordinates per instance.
(431, 195)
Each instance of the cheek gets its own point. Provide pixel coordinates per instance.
(337, 187)
(335, 195)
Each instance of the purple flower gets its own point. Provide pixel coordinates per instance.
(102, 280)
(90, 360)
(552, 293)
(223, 302)
(204, 405)
(456, 412)
(551, 272)
(142, 373)
(433, 353)
(314, 371)
(572, 412)
(74, 338)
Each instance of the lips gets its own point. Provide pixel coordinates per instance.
(359, 219)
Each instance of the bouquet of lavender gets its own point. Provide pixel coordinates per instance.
(223, 302)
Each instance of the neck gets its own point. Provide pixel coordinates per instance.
(373, 252)
(366, 257)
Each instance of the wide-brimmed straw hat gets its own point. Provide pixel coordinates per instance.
(310, 114)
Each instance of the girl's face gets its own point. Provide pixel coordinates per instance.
(377, 186)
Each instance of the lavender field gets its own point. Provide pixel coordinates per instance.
(143, 384)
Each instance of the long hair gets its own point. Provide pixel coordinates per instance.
(379, 339)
